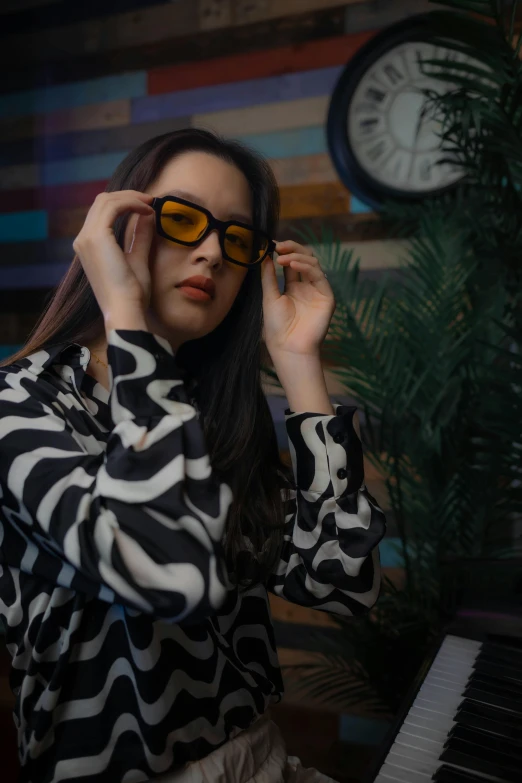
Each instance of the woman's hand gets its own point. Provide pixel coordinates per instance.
(297, 320)
(120, 281)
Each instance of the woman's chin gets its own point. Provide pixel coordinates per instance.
(177, 334)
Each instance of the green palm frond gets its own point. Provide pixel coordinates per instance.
(433, 359)
(331, 679)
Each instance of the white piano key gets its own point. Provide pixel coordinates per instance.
(403, 775)
(446, 704)
(383, 779)
(438, 692)
(413, 719)
(433, 679)
(426, 766)
(435, 707)
(425, 731)
(450, 675)
(456, 667)
(460, 641)
(457, 663)
(416, 742)
(415, 753)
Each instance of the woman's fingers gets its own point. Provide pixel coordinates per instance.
(114, 276)
(290, 246)
(142, 233)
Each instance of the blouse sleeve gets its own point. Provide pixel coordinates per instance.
(329, 560)
(139, 522)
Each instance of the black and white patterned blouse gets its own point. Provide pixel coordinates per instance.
(132, 652)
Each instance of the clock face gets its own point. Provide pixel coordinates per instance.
(383, 137)
(391, 137)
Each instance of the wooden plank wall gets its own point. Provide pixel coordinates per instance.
(92, 80)
(267, 76)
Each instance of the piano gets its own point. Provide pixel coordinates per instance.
(461, 721)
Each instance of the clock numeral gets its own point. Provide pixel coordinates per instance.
(425, 170)
(397, 167)
(376, 151)
(369, 124)
(373, 94)
(393, 74)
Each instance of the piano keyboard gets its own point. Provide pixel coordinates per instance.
(465, 723)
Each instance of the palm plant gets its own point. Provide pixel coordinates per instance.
(433, 361)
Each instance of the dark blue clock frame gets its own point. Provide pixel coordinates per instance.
(358, 180)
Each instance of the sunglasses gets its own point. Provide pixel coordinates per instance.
(188, 224)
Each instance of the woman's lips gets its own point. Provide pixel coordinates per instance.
(195, 293)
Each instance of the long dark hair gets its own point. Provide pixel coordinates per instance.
(225, 364)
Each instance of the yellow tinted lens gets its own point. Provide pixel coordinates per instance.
(181, 222)
(243, 244)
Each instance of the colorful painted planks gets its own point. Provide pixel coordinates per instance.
(89, 117)
(150, 25)
(303, 84)
(323, 53)
(204, 44)
(52, 198)
(23, 226)
(49, 99)
(318, 200)
(265, 118)
(299, 170)
(278, 116)
(282, 61)
(200, 45)
(279, 144)
(47, 147)
(304, 169)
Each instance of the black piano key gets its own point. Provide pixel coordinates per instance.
(482, 736)
(485, 740)
(447, 774)
(485, 697)
(502, 653)
(467, 718)
(487, 657)
(482, 754)
(496, 685)
(460, 757)
(483, 666)
(495, 713)
(513, 642)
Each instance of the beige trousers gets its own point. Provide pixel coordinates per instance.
(256, 755)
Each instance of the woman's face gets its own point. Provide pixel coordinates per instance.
(223, 189)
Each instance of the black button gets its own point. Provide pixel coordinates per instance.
(338, 437)
(341, 473)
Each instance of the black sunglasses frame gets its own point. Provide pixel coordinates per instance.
(213, 223)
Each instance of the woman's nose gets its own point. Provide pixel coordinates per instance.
(210, 248)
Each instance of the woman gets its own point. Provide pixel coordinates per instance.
(145, 511)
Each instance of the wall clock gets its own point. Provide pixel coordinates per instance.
(381, 146)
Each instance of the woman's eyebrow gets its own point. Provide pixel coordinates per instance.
(241, 216)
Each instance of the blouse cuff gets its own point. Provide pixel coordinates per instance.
(326, 453)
